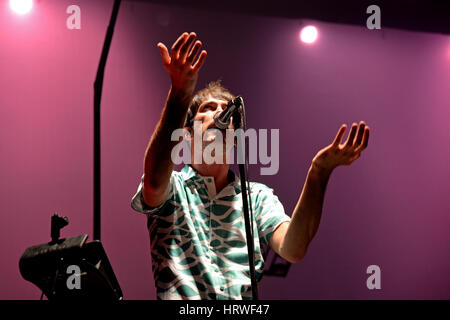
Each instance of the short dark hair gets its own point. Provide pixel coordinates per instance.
(213, 89)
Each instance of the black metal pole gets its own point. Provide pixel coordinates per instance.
(98, 85)
(248, 232)
(240, 121)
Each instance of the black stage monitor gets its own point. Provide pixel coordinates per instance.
(71, 268)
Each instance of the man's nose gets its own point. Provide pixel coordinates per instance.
(219, 109)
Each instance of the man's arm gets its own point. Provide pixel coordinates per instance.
(158, 164)
(291, 239)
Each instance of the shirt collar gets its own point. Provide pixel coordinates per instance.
(192, 177)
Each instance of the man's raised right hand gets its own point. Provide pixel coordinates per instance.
(180, 64)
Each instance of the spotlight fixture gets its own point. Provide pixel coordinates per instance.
(309, 34)
(21, 6)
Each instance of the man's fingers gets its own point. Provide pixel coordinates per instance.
(339, 136)
(360, 133)
(194, 51)
(365, 140)
(356, 156)
(185, 47)
(351, 135)
(164, 54)
(201, 59)
(177, 44)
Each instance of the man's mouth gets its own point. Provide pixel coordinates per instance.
(212, 135)
(213, 126)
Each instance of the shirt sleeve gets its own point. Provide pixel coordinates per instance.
(269, 213)
(139, 205)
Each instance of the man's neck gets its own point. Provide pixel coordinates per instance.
(218, 171)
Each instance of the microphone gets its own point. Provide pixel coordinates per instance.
(222, 119)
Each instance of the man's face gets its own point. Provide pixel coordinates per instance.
(208, 110)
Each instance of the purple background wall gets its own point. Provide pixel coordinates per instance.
(390, 208)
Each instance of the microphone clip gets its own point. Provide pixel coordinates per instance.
(222, 119)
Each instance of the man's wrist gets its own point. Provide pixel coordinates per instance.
(178, 103)
(320, 170)
(180, 94)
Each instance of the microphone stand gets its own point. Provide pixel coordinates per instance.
(98, 86)
(241, 122)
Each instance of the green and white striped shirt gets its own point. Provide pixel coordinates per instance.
(197, 236)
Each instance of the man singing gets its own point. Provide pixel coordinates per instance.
(195, 220)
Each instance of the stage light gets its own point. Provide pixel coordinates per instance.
(21, 6)
(309, 34)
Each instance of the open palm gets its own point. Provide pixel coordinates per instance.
(337, 154)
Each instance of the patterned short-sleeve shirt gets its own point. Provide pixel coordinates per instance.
(197, 236)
